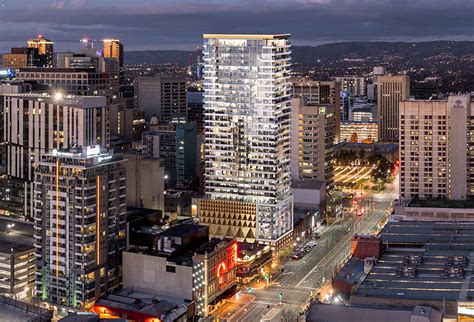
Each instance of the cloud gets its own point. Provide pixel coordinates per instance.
(180, 24)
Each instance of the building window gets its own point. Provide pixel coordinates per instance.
(170, 269)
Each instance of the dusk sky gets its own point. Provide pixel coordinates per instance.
(179, 24)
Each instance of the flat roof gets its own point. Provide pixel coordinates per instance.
(8, 313)
(435, 251)
(245, 36)
(441, 203)
(182, 230)
(19, 237)
(64, 100)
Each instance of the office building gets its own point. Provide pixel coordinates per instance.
(80, 219)
(436, 140)
(367, 132)
(37, 123)
(113, 49)
(177, 149)
(75, 81)
(45, 47)
(346, 104)
(316, 92)
(163, 97)
(424, 90)
(23, 57)
(354, 85)
(319, 92)
(363, 114)
(196, 109)
(312, 142)
(391, 90)
(247, 138)
(17, 258)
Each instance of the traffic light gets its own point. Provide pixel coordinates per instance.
(280, 295)
(249, 290)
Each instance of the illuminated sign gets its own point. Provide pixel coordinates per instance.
(92, 150)
(227, 265)
(6, 73)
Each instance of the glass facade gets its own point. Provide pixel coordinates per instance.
(247, 106)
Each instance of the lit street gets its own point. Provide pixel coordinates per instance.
(301, 277)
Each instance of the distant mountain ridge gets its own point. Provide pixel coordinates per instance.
(411, 51)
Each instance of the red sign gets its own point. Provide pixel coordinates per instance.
(227, 264)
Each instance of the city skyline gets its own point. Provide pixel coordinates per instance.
(164, 24)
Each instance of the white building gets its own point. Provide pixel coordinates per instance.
(436, 142)
(80, 219)
(247, 103)
(36, 123)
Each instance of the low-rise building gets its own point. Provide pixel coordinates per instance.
(17, 259)
(252, 260)
(137, 306)
(183, 263)
(412, 264)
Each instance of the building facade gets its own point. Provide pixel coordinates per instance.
(247, 137)
(163, 97)
(391, 91)
(318, 92)
(354, 85)
(312, 142)
(80, 219)
(177, 148)
(37, 123)
(17, 259)
(45, 47)
(75, 81)
(367, 132)
(436, 143)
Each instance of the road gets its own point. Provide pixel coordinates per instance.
(300, 278)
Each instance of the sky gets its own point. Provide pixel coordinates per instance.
(179, 24)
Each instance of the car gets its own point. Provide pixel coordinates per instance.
(317, 236)
(295, 257)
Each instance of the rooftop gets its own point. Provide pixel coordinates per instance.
(152, 305)
(423, 261)
(64, 100)
(183, 229)
(442, 203)
(244, 36)
(324, 312)
(211, 245)
(18, 237)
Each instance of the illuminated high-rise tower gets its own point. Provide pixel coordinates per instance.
(113, 48)
(247, 104)
(45, 47)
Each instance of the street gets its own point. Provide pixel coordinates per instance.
(286, 296)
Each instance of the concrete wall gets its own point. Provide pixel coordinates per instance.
(145, 182)
(145, 273)
(305, 197)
